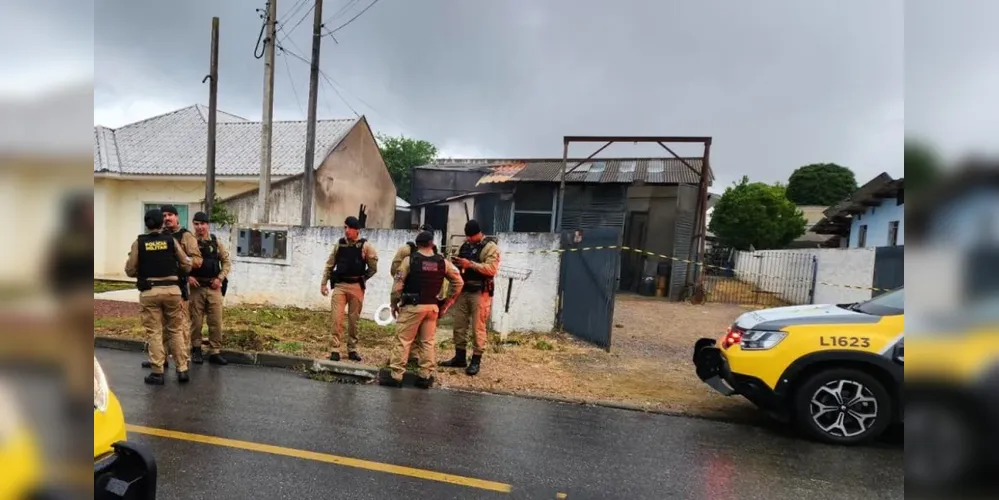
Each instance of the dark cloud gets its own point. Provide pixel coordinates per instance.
(778, 84)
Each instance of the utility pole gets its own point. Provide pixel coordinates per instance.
(309, 179)
(263, 215)
(213, 89)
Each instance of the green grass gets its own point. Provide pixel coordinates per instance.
(101, 286)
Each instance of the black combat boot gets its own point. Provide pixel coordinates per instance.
(458, 361)
(155, 379)
(353, 356)
(217, 359)
(147, 364)
(196, 356)
(424, 383)
(334, 356)
(473, 368)
(385, 378)
(183, 377)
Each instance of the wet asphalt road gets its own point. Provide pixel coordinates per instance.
(539, 448)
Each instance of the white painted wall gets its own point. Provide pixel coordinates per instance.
(837, 270)
(297, 282)
(877, 219)
(118, 212)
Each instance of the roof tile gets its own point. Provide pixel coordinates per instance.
(176, 144)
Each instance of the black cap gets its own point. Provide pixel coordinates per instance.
(154, 218)
(424, 237)
(201, 217)
(352, 222)
(472, 228)
(426, 227)
(169, 209)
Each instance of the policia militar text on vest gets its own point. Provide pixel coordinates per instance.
(424, 280)
(157, 259)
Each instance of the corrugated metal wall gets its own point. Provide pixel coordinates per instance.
(588, 207)
(683, 234)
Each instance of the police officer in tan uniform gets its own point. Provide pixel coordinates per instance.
(416, 305)
(189, 245)
(157, 262)
(207, 290)
(403, 253)
(350, 265)
(479, 261)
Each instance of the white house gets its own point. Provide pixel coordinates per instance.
(874, 216)
(163, 160)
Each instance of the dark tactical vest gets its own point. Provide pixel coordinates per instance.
(69, 268)
(157, 258)
(211, 265)
(425, 278)
(349, 266)
(474, 280)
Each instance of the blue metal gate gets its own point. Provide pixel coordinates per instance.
(589, 280)
(889, 269)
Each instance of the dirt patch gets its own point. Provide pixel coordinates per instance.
(649, 364)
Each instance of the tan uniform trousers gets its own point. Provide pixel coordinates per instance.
(206, 303)
(415, 326)
(471, 309)
(186, 337)
(347, 300)
(159, 309)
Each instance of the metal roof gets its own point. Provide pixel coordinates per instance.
(598, 170)
(175, 144)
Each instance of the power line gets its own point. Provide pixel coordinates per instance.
(287, 67)
(287, 33)
(325, 77)
(347, 6)
(344, 25)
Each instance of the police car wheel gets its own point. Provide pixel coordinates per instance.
(945, 448)
(843, 406)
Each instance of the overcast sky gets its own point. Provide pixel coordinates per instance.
(778, 84)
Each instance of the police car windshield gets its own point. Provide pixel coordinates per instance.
(886, 304)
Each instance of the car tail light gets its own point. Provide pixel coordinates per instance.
(732, 337)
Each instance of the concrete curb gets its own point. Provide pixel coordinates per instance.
(369, 373)
(268, 360)
(605, 404)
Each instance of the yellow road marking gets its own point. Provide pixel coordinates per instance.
(326, 458)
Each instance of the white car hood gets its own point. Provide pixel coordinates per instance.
(780, 317)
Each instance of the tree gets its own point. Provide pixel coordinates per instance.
(220, 214)
(821, 184)
(401, 155)
(922, 165)
(757, 215)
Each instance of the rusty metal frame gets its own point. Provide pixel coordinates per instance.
(702, 194)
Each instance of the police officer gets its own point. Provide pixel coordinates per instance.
(350, 265)
(189, 245)
(406, 250)
(69, 276)
(157, 262)
(479, 261)
(416, 305)
(403, 253)
(207, 289)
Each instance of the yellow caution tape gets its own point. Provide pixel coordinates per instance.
(686, 261)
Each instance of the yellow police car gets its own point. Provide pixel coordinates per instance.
(952, 399)
(835, 370)
(20, 459)
(121, 469)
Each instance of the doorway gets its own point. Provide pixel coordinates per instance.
(436, 216)
(633, 263)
